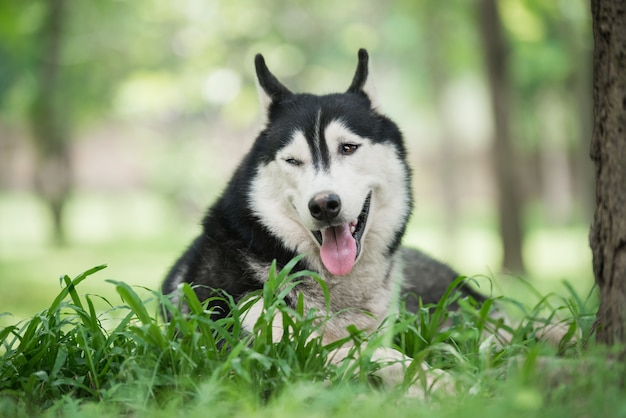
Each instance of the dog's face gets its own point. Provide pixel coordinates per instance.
(332, 181)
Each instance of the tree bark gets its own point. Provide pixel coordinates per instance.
(510, 204)
(607, 237)
(49, 119)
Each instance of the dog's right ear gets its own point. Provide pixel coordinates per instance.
(270, 89)
(362, 82)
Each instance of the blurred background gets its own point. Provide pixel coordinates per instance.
(121, 121)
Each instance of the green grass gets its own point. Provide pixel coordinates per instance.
(72, 359)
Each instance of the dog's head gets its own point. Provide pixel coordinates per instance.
(332, 179)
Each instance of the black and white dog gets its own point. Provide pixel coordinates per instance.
(326, 178)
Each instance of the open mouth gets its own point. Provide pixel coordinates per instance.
(341, 244)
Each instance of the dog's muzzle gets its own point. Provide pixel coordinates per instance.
(340, 244)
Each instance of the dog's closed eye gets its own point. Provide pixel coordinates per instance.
(293, 161)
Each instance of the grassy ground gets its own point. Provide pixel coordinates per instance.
(95, 346)
(71, 360)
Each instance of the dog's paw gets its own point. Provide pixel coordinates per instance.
(395, 365)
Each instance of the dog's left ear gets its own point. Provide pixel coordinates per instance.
(270, 89)
(362, 82)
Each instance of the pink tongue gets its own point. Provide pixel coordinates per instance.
(338, 250)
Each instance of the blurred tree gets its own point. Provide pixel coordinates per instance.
(608, 151)
(576, 35)
(419, 24)
(61, 60)
(550, 65)
(442, 61)
(49, 119)
(510, 201)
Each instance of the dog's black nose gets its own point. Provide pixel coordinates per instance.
(325, 206)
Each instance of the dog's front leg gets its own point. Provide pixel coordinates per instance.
(394, 366)
(252, 315)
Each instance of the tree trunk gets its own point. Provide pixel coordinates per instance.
(510, 205)
(49, 119)
(607, 237)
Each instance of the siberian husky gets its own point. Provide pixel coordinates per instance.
(327, 178)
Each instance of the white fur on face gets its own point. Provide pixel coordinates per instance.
(281, 190)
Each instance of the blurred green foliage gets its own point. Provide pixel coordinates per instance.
(174, 83)
(173, 66)
(152, 58)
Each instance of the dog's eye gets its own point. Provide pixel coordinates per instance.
(347, 149)
(293, 161)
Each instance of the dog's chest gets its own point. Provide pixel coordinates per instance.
(362, 299)
(360, 303)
